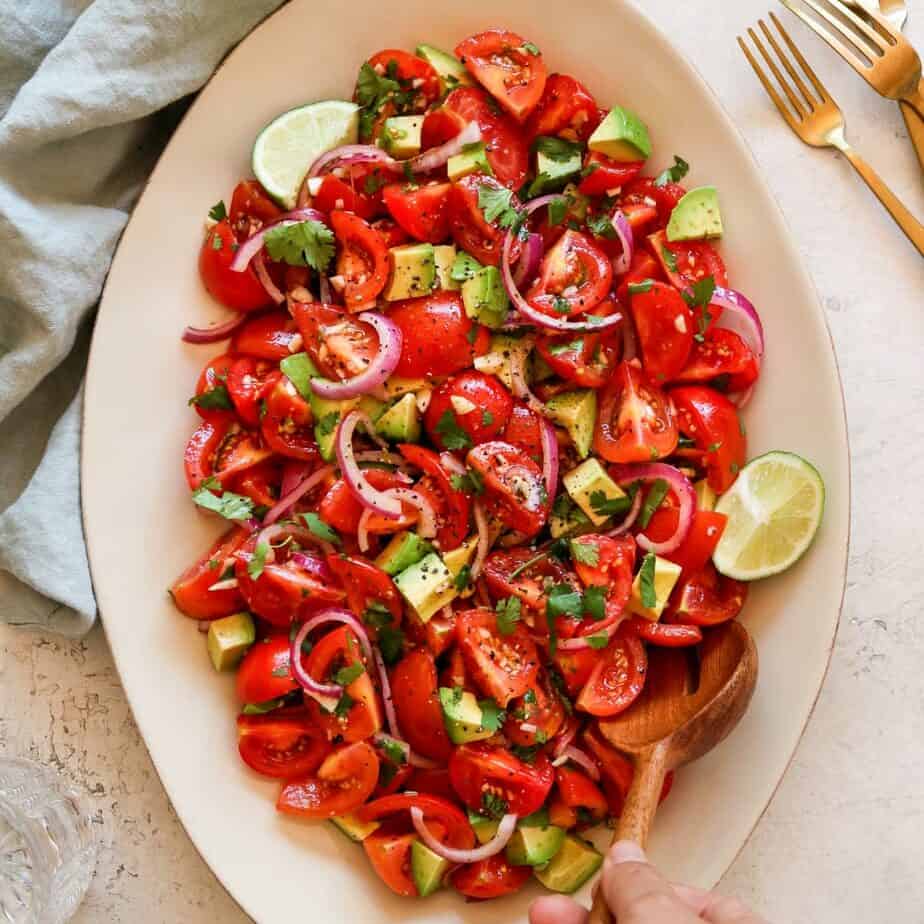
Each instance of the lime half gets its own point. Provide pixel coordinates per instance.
(292, 142)
(774, 510)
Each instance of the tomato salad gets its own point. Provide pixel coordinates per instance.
(481, 392)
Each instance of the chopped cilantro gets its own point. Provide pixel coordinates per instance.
(508, 615)
(673, 174)
(530, 48)
(373, 182)
(346, 675)
(700, 296)
(561, 305)
(263, 708)
(714, 447)
(670, 260)
(492, 716)
(541, 736)
(487, 418)
(525, 753)
(601, 225)
(529, 697)
(646, 577)
(463, 578)
(556, 149)
(457, 692)
(600, 640)
(609, 506)
(392, 750)
(218, 212)
(464, 267)
(320, 529)
(229, 505)
(571, 346)
(595, 602)
(217, 242)
(281, 670)
(591, 167)
(451, 434)
(391, 644)
(304, 243)
(257, 560)
(585, 553)
(377, 615)
(344, 705)
(328, 423)
(639, 288)
(558, 208)
(472, 482)
(655, 497)
(493, 806)
(215, 399)
(564, 599)
(496, 202)
(408, 172)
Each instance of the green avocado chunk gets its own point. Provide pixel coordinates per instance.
(427, 586)
(353, 828)
(531, 846)
(445, 257)
(471, 159)
(228, 640)
(401, 135)
(485, 297)
(413, 271)
(576, 411)
(621, 136)
(485, 828)
(571, 867)
(401, 422)
(427, 869)
(404, 549)
(552, 174)
(451, 70)
(696, 216)
(462, 716)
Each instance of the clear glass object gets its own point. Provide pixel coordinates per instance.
(47, 845)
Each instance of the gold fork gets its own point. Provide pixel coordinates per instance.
(818, 120)
(873, 47)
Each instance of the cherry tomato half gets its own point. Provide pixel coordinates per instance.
(190, 591)
(574, 277)
(362, 260)
(240, 291)
(283, 743)
(476, 403)
(420, 716)
(707, 598)
(264, 673)
(342, 783)
(618, 677)
(470, 230)
(479, 770)
(490, 878)
(423, 211)
(566, 109)
(664, 325)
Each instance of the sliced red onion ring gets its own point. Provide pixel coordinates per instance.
(368, 496)
(581, 641)
(630, 517)
(362, 530)
(252, 246)
(390, 715)
(349, 154)
(494, 846)
(435, 157)
(524, 307)
(518, 383)
(549, 457)
(530, 258)
(626, 237)
(740, 316)
(452, 464)
(565, 738)
(259, 267)
(678, 483)
(289, 530)
(380, 366)
(327, 694)
(214, 334)
(484, 539)
(581, 758)
(426, 525)
(288, 500)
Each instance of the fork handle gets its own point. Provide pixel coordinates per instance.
(903, 218)
(915, 126)
(915, 99)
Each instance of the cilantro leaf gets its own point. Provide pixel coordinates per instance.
(346, 675)
(377, 615)
(669, 258)
(646, 576)
(600, 640)
(320, 529)
(304, 243)
(609, 506)
(496, 202)
(487, 418)
(464, 267)
(556, 149)
(529, 697)
(371, 88)
(656, 494)
(700, 296)
(215, 399)
(508, 615)
(264, 707)
(218, 212)
(558, 208)
(373, 182)
(472, 482)
(392, 750)
(530, 48)
(391, 644)
(527, 754)
(257, 560)
(229, 505)
(585, 553)
(328, 423)
(560, 304)
(493, 805)
(451, 434)
(563, 599)
(281, 670)
(673, 174)
(344, 705)
(639, 288)
(595, 602)
(492, 716)
(601, 225)
(571, 346)
(463, 578)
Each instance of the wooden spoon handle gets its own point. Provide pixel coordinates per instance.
(638, 812)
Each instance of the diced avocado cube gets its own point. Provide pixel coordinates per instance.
(552, 174)
(327, 414)
(427, 586)
(228, 640)
(401, 135)
(396, 386)
(369, 405)
(413, 271)
(666, 575)
(621, 136)
(445, 256)
(541, 370)
(485, 297)
(705, 496)
(300, 370)
(464, 267)
(401, 422)
(566, 517)
(485, 828)
(456, 559)
(462, 716)
(533, 846)
(571, 867)
(471, 159)
(451, 70)
(696, 216)
(576, 411)
(404, 549)
(578, 203)
(353, 828)
(497, 360)
(427, 869)
(262, 708)
(583, 484)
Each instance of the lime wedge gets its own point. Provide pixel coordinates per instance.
(774, 510)
(290, 144)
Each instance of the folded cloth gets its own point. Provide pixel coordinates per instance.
(85, 107)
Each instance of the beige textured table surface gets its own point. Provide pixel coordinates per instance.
(842, 838)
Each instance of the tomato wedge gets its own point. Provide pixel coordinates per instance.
(578, 791)
(601, 174)
(566, 109)
(698, 545)
(470, 230)
(389, 852)
(508, 67)
(270, 335)
(240, 291)
(476, 403)
(365, 585)
(362, 260)
(574, 277)
(666, 636)
(707, 598)
(190, 591)
(665, 326)
(287, 421)
(605, 561)
(490, 878)
(264, 673)
(417, 704)
(721, 352)
(212, 400)
(284, 743)
(422, 211)
(687, 262)
(587, 359)
(457, 832)
(341, 784)
(491, 779)
(618, 677)
(536, 716)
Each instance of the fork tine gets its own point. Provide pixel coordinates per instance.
(852, 54)
(765, 80)
(780, 79)
(860, 24)
(806, 67)
(784, 60)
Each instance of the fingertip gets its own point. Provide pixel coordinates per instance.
(556, 909)
(626, 852)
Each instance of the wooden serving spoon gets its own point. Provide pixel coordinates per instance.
(677, 718)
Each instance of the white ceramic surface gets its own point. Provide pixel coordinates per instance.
(141, 529)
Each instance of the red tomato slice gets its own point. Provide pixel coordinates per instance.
(490, 878)
(513, 573)
(711, 421)
(574, 277)
(287, 421)
(245, 380)
(190, 591)
(490, 407)
(524, 431)
(433, 782)
(423, 211)
(578, 791)
(211, 391)
(359, 191)
(438, 338)
(340, 508)
(220, 449)
(615, 562)
(513, 485)
(266, 336)
(260, 483)
(635, 422)
(540, 709)
(470, 230)
(566, 109)
(284, 743)
(666, 636)
(456, 831)
(618, 677)
(643, 266)
(508, 67)
(240, 291)
(697, 547)
(365, 584)
(342, 783)
(601, 174)
(664, 326)
(420, 717)
(707, 598)
(340, 345)
(251, 208)
(510, 785)
(721, 352)
(362, 260)
(561, 815)
(687, 262)
(264, 672)
(389, 852)
(503, 666)
(576, 667)
(644, 192)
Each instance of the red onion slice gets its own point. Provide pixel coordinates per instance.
(581, 758)
(214, 334)
(349, 154)
(494, 846)
(678, 483)
(252, 246)
(259, 267)
(630, 517)
(426, 525)
(581, 641)
(390, 715)
(288, 500)
(518, 384)
(380, 366)
(565, 738)
(484, 539)
(378, 501)
(435, 157)
(627, 238)
(549, 457)
(741, 317)
(530, 258)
